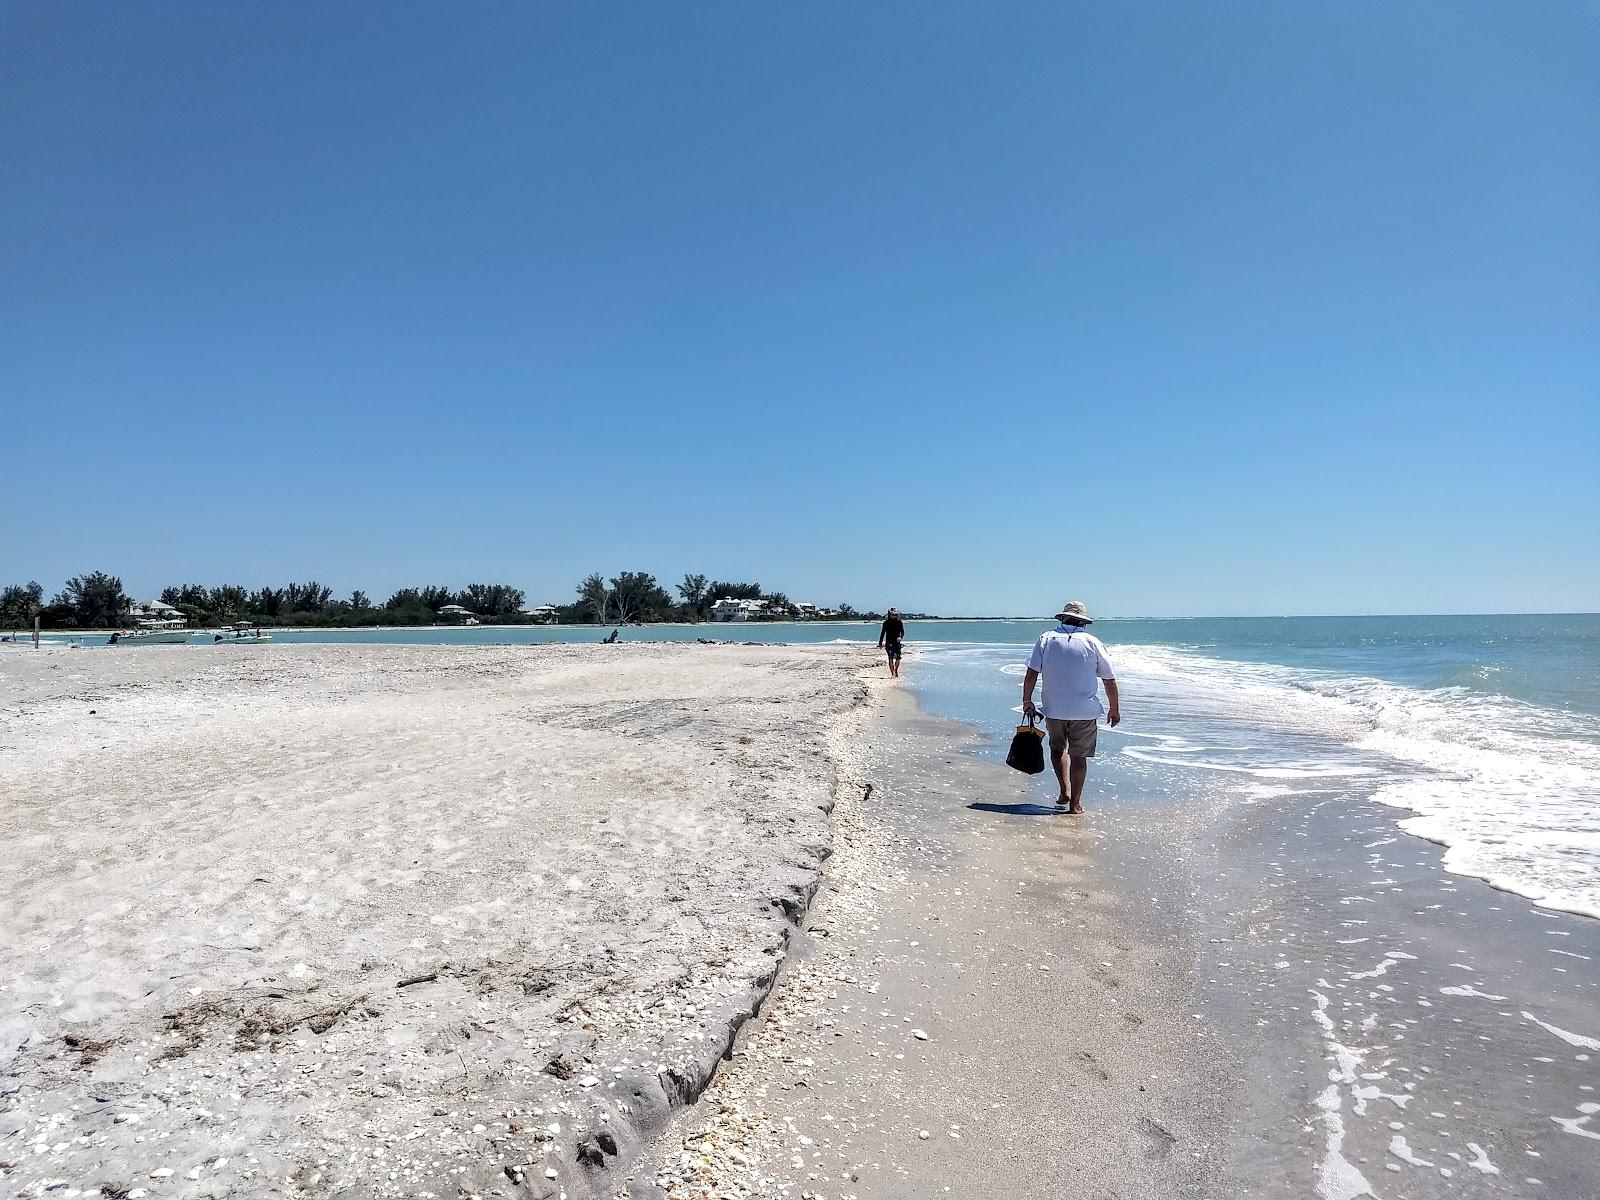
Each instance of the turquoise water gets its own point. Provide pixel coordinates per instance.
(1552, 660)
(1482, 732)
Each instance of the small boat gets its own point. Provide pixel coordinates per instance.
(155, 623)
(153, 633)
(240, 633)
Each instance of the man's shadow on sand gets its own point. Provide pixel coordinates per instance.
(1018, 810)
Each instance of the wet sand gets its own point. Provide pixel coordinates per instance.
(969, 1013)
(1409, 1031)
(1280, 999)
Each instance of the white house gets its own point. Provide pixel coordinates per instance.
(544, 614)
(729, 609)
(156, 614)
(454, 612)
(158, 610)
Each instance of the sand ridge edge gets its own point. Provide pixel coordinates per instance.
(584, 865)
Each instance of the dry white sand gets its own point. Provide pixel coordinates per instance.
(224, 863)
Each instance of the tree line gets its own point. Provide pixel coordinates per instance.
(635, 597)
(97, 601)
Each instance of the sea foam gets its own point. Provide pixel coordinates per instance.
(1511, 790)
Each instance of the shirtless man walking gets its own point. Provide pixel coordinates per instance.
(1072, 663)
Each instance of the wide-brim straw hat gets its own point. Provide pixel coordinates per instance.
(1075, 610)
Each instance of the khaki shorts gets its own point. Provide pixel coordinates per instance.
(1077, 738)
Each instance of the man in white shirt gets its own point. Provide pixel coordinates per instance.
(1072, 662)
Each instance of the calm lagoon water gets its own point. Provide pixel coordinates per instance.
(1483, 732)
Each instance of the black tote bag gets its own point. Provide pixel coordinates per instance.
(1027, 748)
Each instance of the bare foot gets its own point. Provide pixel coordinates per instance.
(1076, 810)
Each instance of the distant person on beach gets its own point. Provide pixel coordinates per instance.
(1072, 662)
(890, 639)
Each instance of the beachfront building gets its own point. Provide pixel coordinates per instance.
(729, 609)
(154, 610)
(804, 610)
(156, 614)
(458, 614)
(543, 614)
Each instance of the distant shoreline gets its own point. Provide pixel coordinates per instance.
(198, 629)
(25, 635)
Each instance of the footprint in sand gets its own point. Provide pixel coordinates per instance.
(1159, 1140)
(1090, 1065)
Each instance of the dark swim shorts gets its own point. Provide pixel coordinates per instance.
(892, 648)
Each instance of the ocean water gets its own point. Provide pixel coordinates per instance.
(1482, 732)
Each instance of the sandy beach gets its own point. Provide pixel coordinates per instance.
(444, 921)
(483, 479)
(396, 921)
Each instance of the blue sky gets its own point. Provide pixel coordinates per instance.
(1179, 308)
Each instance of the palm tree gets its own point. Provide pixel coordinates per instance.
(19, 604)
